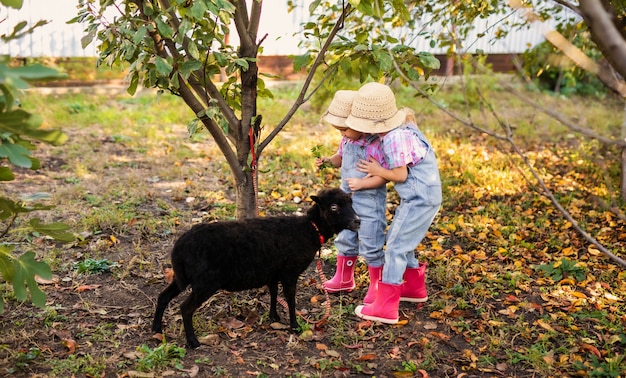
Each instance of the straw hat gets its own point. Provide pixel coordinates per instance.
(374, 110)
(339, 108)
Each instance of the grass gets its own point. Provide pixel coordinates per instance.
(511, 286)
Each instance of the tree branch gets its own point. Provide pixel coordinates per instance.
(569, 6)
(545, 190)
(215, 131)
(301, 99)
(241, 21)
(605, 34)
(198, 87)
(574, 53)
(255, 18)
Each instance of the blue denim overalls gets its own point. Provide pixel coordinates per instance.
(370, 206)
(420, 200)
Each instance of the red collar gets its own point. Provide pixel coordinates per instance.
(322, 239)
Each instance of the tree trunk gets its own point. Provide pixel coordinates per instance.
(246, 206)
(623, 183)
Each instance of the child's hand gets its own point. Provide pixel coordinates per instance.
(355, 184)
(322, 162)
(370, 167)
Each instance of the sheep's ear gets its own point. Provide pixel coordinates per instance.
(315, 199)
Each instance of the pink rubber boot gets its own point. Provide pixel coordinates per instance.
(385, 306)
(414, 285)
(375, 275)
(344, 275)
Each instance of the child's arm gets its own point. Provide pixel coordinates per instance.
(373, 168)
(367, 182)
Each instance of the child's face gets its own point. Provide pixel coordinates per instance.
(350, 134)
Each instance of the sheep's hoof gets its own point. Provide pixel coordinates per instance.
(193, 344)
(274, 317)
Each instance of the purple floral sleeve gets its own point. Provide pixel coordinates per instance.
(402, 147)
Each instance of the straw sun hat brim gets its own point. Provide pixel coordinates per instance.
(376, 126)
(339, 108)
(334, 120)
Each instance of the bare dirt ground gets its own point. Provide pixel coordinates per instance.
(490, 314)
(94, 324)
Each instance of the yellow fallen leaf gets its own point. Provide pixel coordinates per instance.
(612, 297)
(578, 294)
(541, 323)
(593, 251)
(436, 315)
(332, 353)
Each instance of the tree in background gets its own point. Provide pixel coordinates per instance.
(19, 134)
(182, 47)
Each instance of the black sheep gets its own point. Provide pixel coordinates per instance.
(250, 253)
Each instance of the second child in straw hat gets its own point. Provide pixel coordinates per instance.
(412, 166)
(369, 203)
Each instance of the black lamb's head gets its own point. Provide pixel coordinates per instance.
(333, 207)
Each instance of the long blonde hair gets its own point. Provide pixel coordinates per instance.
(410, 116)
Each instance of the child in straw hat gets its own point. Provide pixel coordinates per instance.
(412, 166)
(369, 202)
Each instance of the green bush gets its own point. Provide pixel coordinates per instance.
(19, 134)
(553, 71)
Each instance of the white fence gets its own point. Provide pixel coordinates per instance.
(59, 39)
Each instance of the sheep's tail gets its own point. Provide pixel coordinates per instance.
(179, 276)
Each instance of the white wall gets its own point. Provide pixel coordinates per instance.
(61, 39)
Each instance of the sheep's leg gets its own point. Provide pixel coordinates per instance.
(165, 297)
(273, 286)
(289, 290)
(189, 306)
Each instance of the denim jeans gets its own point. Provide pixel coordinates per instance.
(420, 200)
(370, 206)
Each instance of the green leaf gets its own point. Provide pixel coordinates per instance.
(35, 72)
(7, 269)
(165, 30)
(190, 66)
(192, 48)
(56, 230)
(16, 154)
(243, 64)
(163, 67)
(26, 268)
(314, 5)
(8, 207)
(20, 122)
(428, 60)
(6, 174)
(384, 60)
(197, 10)
(301, 61)
(17, 4)
(221, 59)
(140, 34)
(134, 83)
(86, 39)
